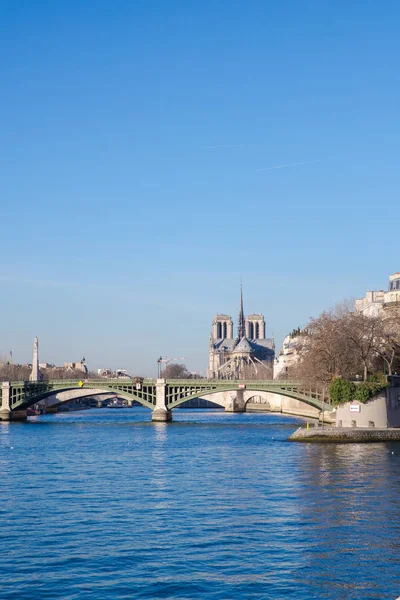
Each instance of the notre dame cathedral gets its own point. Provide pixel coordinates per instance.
(249, 355)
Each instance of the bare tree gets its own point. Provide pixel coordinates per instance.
(11, 372)
(388, 340)
(325, 351)
(364, 334)
(176, 371)
(343, 343)
(54, 373)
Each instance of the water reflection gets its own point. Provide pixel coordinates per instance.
(157, 468)
(348, 499)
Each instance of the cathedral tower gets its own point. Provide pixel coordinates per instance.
(222, 327)
(255, 327)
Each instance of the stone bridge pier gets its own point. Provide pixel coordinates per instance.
(234, 401)
(6, 414)
(161, 413)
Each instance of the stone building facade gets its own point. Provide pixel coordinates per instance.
(288, 356)
(247, 355)
(378, 300)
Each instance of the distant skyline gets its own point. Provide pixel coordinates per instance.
(154, 153)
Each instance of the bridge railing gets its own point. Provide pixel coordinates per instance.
(221, 383)
(86, 382)
(231, 382)
(148, 380)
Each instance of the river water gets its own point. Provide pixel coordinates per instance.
(104, 504)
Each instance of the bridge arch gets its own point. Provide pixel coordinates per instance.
(68, 394)
(282, 402)
(217, 396)
(273, 400)
(59, 398)
(259, 398)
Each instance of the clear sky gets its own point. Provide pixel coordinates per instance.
(153, 152)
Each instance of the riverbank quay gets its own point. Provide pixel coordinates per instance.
(345, 435)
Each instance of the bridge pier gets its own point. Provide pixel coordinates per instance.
(6, 414)
(161, 413)
(13, 415)
(235, 403)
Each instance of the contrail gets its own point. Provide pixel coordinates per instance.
(38, 282)
(231, 146)
(295, 164)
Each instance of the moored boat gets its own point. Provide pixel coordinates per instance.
(116, 403)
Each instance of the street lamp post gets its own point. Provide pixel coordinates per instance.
(159, 361)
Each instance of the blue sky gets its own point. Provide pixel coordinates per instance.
(138, 149)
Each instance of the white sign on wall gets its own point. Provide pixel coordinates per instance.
(355, 408)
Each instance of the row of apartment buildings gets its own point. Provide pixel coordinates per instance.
(376, 301)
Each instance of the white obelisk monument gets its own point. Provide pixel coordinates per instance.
(35, 374)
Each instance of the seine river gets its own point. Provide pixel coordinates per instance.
(104, 504)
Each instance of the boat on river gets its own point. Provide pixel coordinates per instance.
(116, 403)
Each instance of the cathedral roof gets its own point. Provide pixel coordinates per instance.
(265, 343)
(243, 346)
(226, 344)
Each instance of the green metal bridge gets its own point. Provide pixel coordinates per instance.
(159, 395)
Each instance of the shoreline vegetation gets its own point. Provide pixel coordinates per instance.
(342, 391)
(347, 355)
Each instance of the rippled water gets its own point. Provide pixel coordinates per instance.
(105, 504)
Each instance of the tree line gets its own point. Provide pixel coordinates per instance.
(179, 371)
(341, 343)
(16, 372)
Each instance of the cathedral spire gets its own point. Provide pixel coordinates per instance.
(240, 326)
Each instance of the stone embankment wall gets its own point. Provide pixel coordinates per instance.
(345, 435)
(371, 414)
(383, 410)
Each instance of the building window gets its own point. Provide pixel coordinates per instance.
(394, 285)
